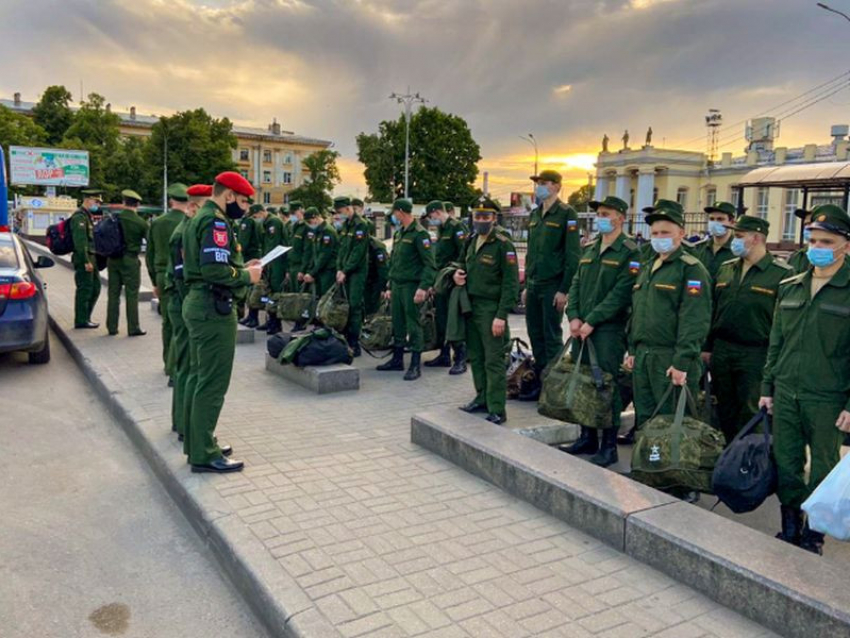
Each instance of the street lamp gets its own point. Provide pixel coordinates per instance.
(533, 141)
(408, 100)
(164, 167)
(830, 9)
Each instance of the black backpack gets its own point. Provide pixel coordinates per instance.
(60, 240)
(745, 474)
(109, 237)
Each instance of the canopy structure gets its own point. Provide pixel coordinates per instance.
(816, 177)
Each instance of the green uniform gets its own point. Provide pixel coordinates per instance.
(353, 260)
(671, 315)
(156, 259)
(273, 236)
(492, 281)
(447, 249)
(250, 236)
(301, 244)
(740, 332)
(125, 272)
(411, 269)
(178, 353)
(799, 260)
(808, 375)
(323, 253)
(213, 266)
(553, 252)
(711, 259)
(601, 295)
(378, 276)
(87, 283)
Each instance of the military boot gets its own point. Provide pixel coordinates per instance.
(273, 326)
(792, 525)
(587, 443)
(811, 540)
(264, 327)
(443, 360)
(414, 371)
(459, 366)
(396, 364)
(253, 319)
(607, 454)
(354, 344)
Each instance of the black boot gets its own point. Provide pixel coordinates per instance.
(354, 344)
(443, 360)
(811, 540)
(628, 438)
(607, 454)
(265, 325)
(459, 366)
(396, 364)
(274, 326)
(587, 443)
(792, 525)
(253, 319)
(414, 371)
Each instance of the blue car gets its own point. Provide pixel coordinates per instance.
(23, 303)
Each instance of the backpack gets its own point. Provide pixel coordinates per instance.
(745, 474)
(319, 347)
(60, 240)
(109, 237)
(332, 309)
(428, 321)
(377, 332)
(520, 365)
(676, 450)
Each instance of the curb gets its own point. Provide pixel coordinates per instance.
(262, 583)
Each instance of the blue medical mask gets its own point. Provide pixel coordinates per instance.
(436, 222)
(313, 225)
(717, 229)
(605, 225)
(338, 224)
(821, 257)
(662, 245)
(293, 219)
(94, 208)
(541, 192)
(807, 235)
(739, 247)
(395, 221)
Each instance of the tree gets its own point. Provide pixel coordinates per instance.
(19, 130)
(53, 113)
(443, 158)
(127, 167)
(95, 129)
(579, 198)
(324, 175)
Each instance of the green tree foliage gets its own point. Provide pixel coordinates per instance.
(324, 175)
(95, 129)
(127, 168)
(443, 158)
(53, 113)
(19, 130)
(579, 198)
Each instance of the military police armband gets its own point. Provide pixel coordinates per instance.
(215, 244)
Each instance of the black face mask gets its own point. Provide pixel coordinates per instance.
(234, 211)
(482, 228)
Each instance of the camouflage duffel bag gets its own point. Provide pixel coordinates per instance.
(676, 451)
(428, 321)
(296, 306)
(377, 332)
(332, 309)
(272, 302)
(574, 393)
(258, 296)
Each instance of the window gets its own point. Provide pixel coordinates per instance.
(286, 198)
(789, 222)
(682, 197)
(762, 201)
(243, 154)
(267, 157)
(287, 178)
(287, 158)
(267, 198)
(735, 196)
(710, 196)
(267, 177)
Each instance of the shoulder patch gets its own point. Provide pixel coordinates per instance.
(630, 244)
(501, 237)
(796, 279)
(733, 261)
(781, 263)
(690, 259)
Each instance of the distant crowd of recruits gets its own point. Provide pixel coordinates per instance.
(774, 334)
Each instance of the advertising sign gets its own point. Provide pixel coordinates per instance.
(48, 167)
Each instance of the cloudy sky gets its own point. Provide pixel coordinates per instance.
(568, 71)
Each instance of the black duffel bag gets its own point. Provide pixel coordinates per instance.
(276, 343)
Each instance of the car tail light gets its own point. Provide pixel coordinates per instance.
(18, 290)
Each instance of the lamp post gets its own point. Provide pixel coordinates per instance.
(407, 99)
(164, 168)
(533, 141)
(831, 10)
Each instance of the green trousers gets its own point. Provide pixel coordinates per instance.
(406, 326)
(167, 323)
(212, 344)
(650, 381)
(441, 310)
(543, 322)
(178, 361)
(355, 288)
(324, 282)
(736, 373)
(798, 423)
(609, 341)
(486, 356)
(276, 272)
(124, 272)
(86, 294)
(371, 298)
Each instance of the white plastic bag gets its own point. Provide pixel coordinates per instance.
(829, 505)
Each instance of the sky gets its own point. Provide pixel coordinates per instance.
(567, 71)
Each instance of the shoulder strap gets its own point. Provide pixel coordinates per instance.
(595, 370)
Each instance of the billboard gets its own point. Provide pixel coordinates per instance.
(522, 202)
(48, 166)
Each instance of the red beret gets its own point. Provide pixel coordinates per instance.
(235, 182)
(199, 190)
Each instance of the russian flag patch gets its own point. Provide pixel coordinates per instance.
(572, 224)
(694, 287)
(511, 257)
(634, 267)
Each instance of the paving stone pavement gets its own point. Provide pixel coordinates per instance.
(384, 538)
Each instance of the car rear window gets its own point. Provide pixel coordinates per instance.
(8, 256)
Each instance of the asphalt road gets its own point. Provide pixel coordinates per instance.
(90, 544)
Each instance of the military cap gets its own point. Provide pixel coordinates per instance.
(94, 193)
(178, 191)
(131, 194)
(723, 207)
(547, 176)
(199, 190)
(357, 202)
(435, 205)
(271, 209)
(296, 205)
(832, 219)
(341, 202)
(311, 212)
(751, 224)
(403, 205)
(255, 208)
(801, 213)
(610, 202)
(484, 204)
(665, 210)
(235, 182)
(448, 207)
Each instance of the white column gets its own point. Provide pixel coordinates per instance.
(622, 187)
(601, 191)
(646, 187)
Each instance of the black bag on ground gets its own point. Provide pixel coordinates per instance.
(745, 474)
(276, 343)
(59, 238)
(109, 237)
(319, 347)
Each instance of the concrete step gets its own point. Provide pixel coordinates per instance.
(320, 379)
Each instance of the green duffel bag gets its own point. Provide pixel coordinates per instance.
(332, 309)
(297, 306)
(676, 451)
(581, 394)
(377, 332)
(258, 296)
(428, 321)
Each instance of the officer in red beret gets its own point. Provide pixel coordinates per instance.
(216, 279)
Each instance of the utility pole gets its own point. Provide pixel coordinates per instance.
(533, 141)
(408, 100)
(164, 169)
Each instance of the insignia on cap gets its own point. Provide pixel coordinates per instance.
(821, 218)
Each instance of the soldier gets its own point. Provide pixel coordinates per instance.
(273, 236)
(352, 266)
(550, 264)
(599, 308)
(322, 253)
(125, 271)
(157, 255)
(451, 238)
(717, 249)
(295, 257)
(250, 237)
(798, 259)
(491, 275)
(378, 276)
(806, 382)
(745, 292)
(214, 275)
(86, 275)
(412, 275)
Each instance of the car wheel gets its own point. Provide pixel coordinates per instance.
(43, 355)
